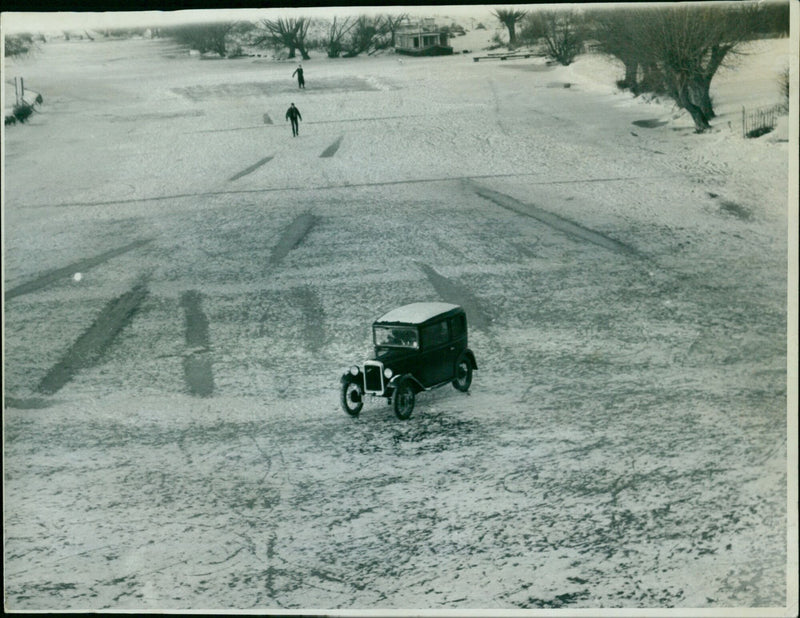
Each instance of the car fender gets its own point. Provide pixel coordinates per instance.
(468, 353)
(393, 382)
(349, 377)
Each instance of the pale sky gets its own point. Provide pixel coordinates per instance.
(49, 22)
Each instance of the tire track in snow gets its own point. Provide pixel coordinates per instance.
(89, 347)
(555, 221)
(197, 371)
(251, 169)
(53, 276)
(452, 292)
(310, 306)
(292, 236)
(356, 185)
(331, 150)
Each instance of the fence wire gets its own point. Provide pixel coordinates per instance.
(760, 120)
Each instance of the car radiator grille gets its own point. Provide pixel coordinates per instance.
(373, 378)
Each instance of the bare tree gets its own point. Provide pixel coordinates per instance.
(289, 33)
(689, 44)
(617, 33)
(509, 18)
(390, 25)
(210, 37)
(562, 31)
(677, 50)
(334, 42)
(363, 35)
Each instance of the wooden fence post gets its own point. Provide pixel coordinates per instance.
(744, 124)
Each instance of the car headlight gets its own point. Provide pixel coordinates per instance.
(354, 370)
(387, 373)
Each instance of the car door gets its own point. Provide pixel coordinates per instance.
(434, 366)
(457, 342)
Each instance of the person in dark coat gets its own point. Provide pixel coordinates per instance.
(301, 83)
(293, 114)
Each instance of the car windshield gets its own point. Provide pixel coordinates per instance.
(396, 337)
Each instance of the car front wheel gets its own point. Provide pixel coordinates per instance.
(352, 398)
(463, 377)
(404, 398)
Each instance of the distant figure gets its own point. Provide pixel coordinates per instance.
(293, 114)
(301, 83)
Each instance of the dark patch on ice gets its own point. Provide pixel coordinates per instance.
(737, 210)
(555, 221)
(452, 292)
(650, 123)
(197, 371)
(331, 150)
(250, 169)
(198, 375)
(560, 600)
(436, 433)
(31, 403)
(293, 236)
(534, 68)
(732, 208)
(89, 348)
(310, 305)
(66, 272)
(524, 249)
(559, 85)
(267, 119)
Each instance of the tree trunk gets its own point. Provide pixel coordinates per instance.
(512, 34)
(699, 88)
(631, 73)
(683, 98)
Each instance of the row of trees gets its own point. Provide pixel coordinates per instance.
(671, 50)
(18, 44)
(346, 37)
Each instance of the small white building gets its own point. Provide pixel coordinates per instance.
(422, 39)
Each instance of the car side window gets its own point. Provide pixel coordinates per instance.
(435, 334)
(458, 326)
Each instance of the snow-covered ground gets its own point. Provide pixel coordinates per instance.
(172, 432)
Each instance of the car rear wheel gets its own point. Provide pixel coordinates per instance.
(352, 398)
(463, 377)
(404, 398)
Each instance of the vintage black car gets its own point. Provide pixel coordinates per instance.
(418, 347)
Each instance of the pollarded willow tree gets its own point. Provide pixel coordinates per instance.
(337, 32)
(290, 33)
(677, 49)
(509, 18)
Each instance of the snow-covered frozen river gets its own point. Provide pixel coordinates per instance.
(172, 432)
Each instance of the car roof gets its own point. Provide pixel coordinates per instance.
(416, 313)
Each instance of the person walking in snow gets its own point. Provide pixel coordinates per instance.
(293, 114)
(301, 83)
